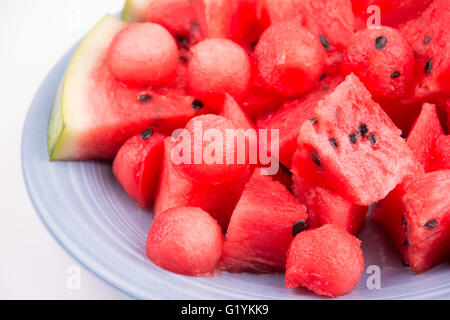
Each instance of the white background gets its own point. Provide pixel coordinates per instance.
(34, 34)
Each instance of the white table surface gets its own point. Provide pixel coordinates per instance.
(34, 34)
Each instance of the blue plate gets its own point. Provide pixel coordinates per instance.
(93, 219)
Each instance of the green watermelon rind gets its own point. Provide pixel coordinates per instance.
(135, 10)
(66, 120)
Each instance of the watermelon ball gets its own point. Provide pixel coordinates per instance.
(218, 66)
(382, 59)
(185, 240)
(206, 138)
(326, 260)
(143, 54)
(289, 59)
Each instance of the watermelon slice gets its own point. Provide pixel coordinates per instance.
(137, 166)
(424, 134)
(430, 39)
(394, 13)
(353, 149)
(326, 207)
(94, 114)
(441, 154)
(327, 260)
(186, 241)
(260, 229)
(179, 189)
(417, 216)
(290, 117)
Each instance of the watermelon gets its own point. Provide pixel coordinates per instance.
(393, 13)
(326, 207)
(441, 154)
(417, 217)
(216, 188)
(327, 260)
(353, 149)
(136, 10)
(187, 241)
(424, 134)
(290, 117)
(289, 59)
(94, 114)
(382, 59)
(143, 54)
(136, 166)
(331, 21)
(402, 113)
(260, 228)
(232, 111)
(430, 40)
(218, 66)
(214, 17)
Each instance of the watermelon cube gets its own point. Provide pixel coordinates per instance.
(417, 217)
(261, 227)
(424, 134)
(353, 149)
(137, 166)
(327, 260)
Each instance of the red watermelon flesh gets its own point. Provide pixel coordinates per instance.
(327, 260)
(137, 166)
(232, 111)
(214, 17)
(260, 101)
(424, 134)
(430, 39)
(417, 216)
(393, 12)
(327, 207)
(178, 17)
(448, 117)
(178, 189)
(332, 21)
(186, 241)
(441, 153)
(260, 228)
(290, 117)
(353, 149)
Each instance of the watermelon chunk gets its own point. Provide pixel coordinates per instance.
(186, 241)
(424, 134)
(382, 59)
(260, 229)
(231, 110)
(214, 17)
(137, 165)
(177, 188)
(394, 13)
(417, 216)
(326, 207)
(290, 117)
(327, 260)
(353, 149)
(441, 154)
(94, 114)
(430, 39)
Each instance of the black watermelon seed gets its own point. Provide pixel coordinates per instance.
(322, 77)
(353, 138)
(403, 221)
(183, 59)
(431, 224)
(363, 129)
(324, 42)
(315, 157)
(429, 66)
(182, 40)
(406, 243)
(253, 44)
(197, 104)
(373, 138)
(146, 134)
(145, 98)
(333, 142)
(298, 227)
(314, 121)
(395, 74)
(427, 40)
(380, 43)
